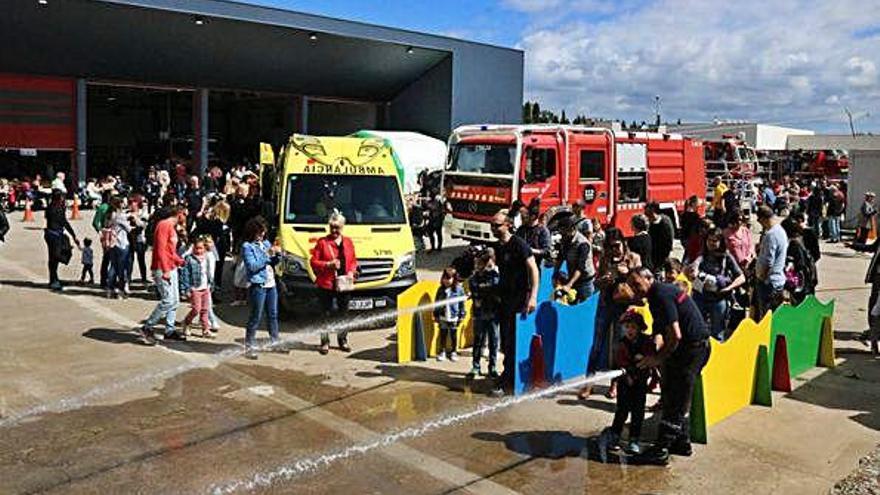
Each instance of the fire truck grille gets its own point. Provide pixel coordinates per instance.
(373, 269)
(474, 208)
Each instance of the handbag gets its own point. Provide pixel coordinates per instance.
(344, 283)
(65, 250)
(240, 275)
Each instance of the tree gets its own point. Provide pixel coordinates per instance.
(536, 113)
(563, 119)
(527, 112)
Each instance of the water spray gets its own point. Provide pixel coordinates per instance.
(299, 467)
(82, 400)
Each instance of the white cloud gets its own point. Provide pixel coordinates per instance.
(531, 5)
(786, 61)
(862, 73)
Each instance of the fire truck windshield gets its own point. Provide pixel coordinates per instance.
(746, 154)
(362, 199)
(494, 159)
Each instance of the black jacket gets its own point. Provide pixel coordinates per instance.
(4, 226)
(537, 237)
(690, 221)
(871, 275)
(800, 257)
(56, 221)
(662, 233)
(642, 246)
(811, 242)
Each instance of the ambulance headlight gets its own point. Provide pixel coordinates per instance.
(407, 266)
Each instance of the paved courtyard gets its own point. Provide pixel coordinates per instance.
(182, 418)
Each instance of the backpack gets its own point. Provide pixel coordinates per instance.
(108, 238)
(799, 268)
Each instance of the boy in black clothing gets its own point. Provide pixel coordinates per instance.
(632, 387)
(484, 286)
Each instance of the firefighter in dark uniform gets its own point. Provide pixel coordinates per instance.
(684, 352)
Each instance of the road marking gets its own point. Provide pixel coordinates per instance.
(352, 430)
(843, 289)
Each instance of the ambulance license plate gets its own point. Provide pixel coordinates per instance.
(360, 304)
(472, 226)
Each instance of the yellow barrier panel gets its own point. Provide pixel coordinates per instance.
(420, 294)
(730, 376)
(827, 357)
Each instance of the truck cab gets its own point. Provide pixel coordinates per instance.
(315, 176)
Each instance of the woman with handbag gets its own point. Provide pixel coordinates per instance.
(716, 275)
(616, 263)
(260, 259)
(335, 265)
(56, 241)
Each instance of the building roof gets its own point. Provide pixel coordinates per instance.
(238, 46)
(833, 142)
(760, 136)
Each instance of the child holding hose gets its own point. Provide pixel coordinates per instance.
(632, 387)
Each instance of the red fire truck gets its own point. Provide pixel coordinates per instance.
(614, 172)
(828, 163)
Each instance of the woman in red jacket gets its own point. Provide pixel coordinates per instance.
(335, 265)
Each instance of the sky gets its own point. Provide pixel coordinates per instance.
(798, 63)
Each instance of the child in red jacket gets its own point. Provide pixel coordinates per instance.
(632, 387)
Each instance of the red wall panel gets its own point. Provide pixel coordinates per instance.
(37, 112)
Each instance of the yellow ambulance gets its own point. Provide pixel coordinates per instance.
(358, 177)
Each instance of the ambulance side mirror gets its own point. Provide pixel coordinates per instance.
(267, 155)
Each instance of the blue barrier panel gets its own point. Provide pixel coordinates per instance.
(566, 331)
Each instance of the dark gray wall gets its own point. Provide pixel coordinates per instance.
(425, 105)
(256, 48)
(487, 80)
(487, 85)
(333, 118)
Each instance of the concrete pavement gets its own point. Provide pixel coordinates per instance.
(176, 419)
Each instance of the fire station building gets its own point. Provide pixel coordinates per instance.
(99, 85)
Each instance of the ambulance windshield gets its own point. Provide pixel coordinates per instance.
(362, 199)
(483, 159)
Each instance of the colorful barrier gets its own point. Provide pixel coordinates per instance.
(761, 356)
(553, 344)
(566, 336)
(417, 333)
(737, 375)
(802, 327)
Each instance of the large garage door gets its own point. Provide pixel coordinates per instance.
(37, 112)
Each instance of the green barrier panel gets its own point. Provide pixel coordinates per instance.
(802, 327)
(741, 371)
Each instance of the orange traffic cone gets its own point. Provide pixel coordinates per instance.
(74, 212)
(28, 212)
(536, 359)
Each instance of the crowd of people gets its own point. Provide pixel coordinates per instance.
(725, 273)
(189, 225)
